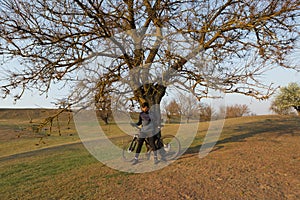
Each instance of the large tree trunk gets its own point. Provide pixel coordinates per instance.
(153, 94)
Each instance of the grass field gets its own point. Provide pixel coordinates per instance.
(255, 158)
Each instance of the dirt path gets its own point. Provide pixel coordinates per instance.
(51, 148)
(37, 151)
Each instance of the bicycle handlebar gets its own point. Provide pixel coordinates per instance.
(139, 128)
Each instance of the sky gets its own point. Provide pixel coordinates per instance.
(280, 77)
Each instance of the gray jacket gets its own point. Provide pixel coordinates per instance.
(146, 122)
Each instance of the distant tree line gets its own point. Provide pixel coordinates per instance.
(187, 107)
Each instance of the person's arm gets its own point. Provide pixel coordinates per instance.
(140, 121)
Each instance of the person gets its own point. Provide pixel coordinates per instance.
(147, 130)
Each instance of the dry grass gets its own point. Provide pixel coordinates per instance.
(255, 158)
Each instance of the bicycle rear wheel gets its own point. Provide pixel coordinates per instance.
(171, 147)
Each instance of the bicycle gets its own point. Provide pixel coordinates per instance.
(167, 145)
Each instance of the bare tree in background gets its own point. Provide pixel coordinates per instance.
(207, 112)
(140, 47)
(172, 109)
(237, 110)
(189, 106)
(103, 99)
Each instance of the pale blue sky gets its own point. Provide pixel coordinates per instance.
(280, 77)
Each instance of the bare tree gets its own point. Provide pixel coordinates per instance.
(172, 109)
(237, 110)
(189, 106)
(207, 113)
(103, 99)
(141, 47)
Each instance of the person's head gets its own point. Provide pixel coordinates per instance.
(145, 106)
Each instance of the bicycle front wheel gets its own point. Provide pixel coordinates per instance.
(129, 150)
(171, 147)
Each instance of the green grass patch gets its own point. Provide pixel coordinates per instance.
(29, 171)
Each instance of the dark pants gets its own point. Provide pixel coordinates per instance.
(141, 141)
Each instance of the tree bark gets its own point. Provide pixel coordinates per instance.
(153, 94)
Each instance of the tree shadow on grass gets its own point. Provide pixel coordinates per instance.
(268, 128)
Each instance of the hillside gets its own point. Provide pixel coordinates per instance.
(255, 158)
(25, 114)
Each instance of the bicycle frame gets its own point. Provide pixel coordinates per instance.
(167, 145)
(134, 143)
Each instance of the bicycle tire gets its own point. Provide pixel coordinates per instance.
(129, 148)
(171, 147)
(129, 151)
